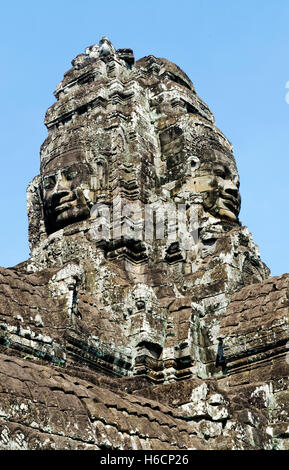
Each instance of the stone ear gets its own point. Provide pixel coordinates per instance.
(36, 225)
(193, 164)
(101, 169)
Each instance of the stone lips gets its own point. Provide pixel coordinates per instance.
(156, 346)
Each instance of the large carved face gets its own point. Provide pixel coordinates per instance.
(216, 178)
(66, 189)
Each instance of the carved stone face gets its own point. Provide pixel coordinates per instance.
(65, 182)
(218, 182)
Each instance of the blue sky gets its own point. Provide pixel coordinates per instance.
(235, 52)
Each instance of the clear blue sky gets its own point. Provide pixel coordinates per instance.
(235, 52)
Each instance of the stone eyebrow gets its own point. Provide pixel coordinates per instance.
(48, 176)
(52, 173)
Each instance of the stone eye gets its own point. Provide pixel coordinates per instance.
(194, 162)
(220, 173)
(49, 182)
(70, 175)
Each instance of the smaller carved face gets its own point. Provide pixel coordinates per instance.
(140, 304)
(64, 181)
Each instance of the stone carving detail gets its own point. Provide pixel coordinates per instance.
(175, 341)
(66, 190)
(147, 138)
(105, 47)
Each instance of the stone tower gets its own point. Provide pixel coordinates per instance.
(126, 141)
(141, 280)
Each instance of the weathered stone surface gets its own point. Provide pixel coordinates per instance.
(54, 410)
(116, 337)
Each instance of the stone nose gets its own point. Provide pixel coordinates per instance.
(61, 183)
(58, 196)
(231, 189)
(61, 189)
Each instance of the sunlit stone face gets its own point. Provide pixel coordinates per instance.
(65, 183)
(220, 191)
(218, 182)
